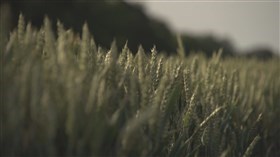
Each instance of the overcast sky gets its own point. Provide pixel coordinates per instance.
(247, 23)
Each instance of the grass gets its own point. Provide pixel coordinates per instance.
(65, 96)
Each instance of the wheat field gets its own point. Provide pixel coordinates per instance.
(63, 95)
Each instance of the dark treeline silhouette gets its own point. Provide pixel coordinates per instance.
(207, 44)
(260, 53)
(109, 20)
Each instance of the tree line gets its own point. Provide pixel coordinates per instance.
(120, 21)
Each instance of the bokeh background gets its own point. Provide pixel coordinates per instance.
(249, 29)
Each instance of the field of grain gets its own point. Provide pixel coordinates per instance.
(62, 95)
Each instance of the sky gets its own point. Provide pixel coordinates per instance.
(248, 23)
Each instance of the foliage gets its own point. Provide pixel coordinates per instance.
(123, 21)
(108, 20)
(64, 96)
